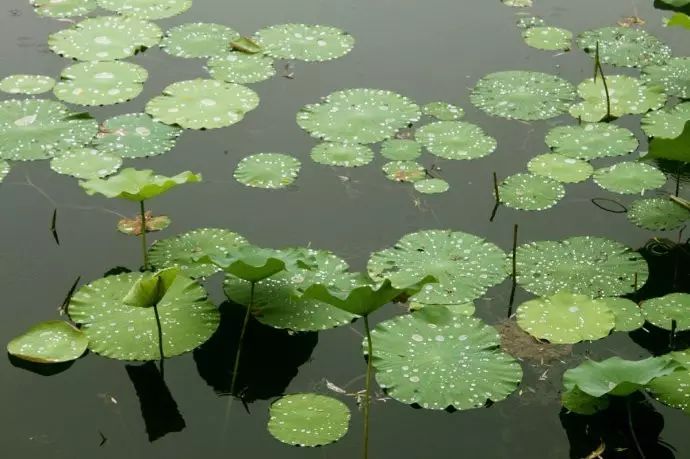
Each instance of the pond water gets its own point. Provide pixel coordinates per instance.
(428, 51)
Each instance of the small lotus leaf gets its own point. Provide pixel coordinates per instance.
(404, 171)
(101, 83)
(560, 168)
(267, 170)
(149, 289)
(456, 140)
(308, 420)
(137, 185)
(679, 20)
(664, 310)
(254, 264)
(342, 154)
(147, 9)
(667, 124)
(676, 149)
(4, 169)
(305, 42)
(530, 192)
(673, 76)
(525, 22)
(85, 163)
(624, 46)
(239, 67)
(53, 341)
(443, 111)
(517, 3)
(628, 314)
(658, 214)
(431, 186)
(591, 140)
(578, 402)
(135, 135)
(400, 149)
(26, 84)
(246, 45)
(133, 226)
(674, 389)
(63, 8)
(548, 38)
(198, 39)
(629, 178)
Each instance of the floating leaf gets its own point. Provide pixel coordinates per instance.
(305, 42)
(576, 401)
(674, 389)
(629, 178)
(523, 95)
(133, 226)
(202, 104)
(147, 9)
(105, 38)
(358, 116)
(679, 20)
(4, 169)
(85, 163)
(560, 168)
(308, 420)
(530, 192)
(517, 3)
(525, 22)
(431, 186)
(438, 360)
(627, 313)
(658, 214)
(342, 154)
(101, 83)
(137, 185)
(591, 140)
(673, 76)
(586, 265)
(400, 149)
(666, 309)
(246, 45)
(26, 84)
(548, 38)
(135, 135)
(456, 140)
(53, 341)
(667, 123)
(63, 8)
(676, 3)
(676, 149)
(267, 170)
(238, 67)
(38, 129)
(443, 111)
(200, 39)
(624, 46)
(404, 171)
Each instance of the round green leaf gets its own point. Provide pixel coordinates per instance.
(586, 265)
(627, 313)
(674, 389)
(591, 140)
(629, 178)
(267, 170)
(198, 39)
(135, 135)
(456, 140)
(673, 76)
(308, 420)
(664, 310)
(238, 67)
(305, 42)
(342, 154)
(530, 192)
(517, 3)
(4, 169)
(624, 46)
(105, 38)
(147, 9)
(658, 214)
(523, 95)
(400, 149)
(404, 171)
(431, 186)
(443, 111)
(101, 83)
(667, 124)
(548, 38)
(525, 22)
(137, 185)
(560, 168)
(85, 163)
(578, 402)
(202, 104)
(53, 341)
(26, 84)
(63, 8)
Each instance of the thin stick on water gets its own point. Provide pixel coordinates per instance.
(367, 390)
(497, 197)
(144, 245)
(598, 69)
(514, 273)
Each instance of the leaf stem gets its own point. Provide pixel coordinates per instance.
(599, 69)
(514, 273)
(144, 245)
(632, 432)
(238, 355)
(160, 337)
(367, 391)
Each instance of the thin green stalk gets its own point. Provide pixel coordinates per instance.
(599, 69)
(144, 245)
(160, 338)
(367, 390)
(238, 355)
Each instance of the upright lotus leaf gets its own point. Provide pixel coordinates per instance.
(53, 341)
(624, 46)
(586, 265)
(404, 171)
(679, 20)
(308, 420)
(400, 149)
(189, 251)
(267, 170)
(202, 104)
(456, 140)
(150, 288)
(358, 116)
(628, 96)
(246, 45)
(548, 38)
(239, 67)
(464, 265)
(38, 129)
(443, 111)
(566, 318)
(4, 169)
(676, 149)
(630, 178)
(530, 192)
(137, 185)
(63, 8)
(673, 76)
(85, 163)
(105, 38)
(579, 402)
(130, 332)
(101, 83)
(591, 140)
(560, 168)
(26, 84)
(253, 264)
(677, 3)
(438, 359)
(147, 9)
(663, 311)
(431, 186)
(198, 39)
(658, 214)
(523, 95)
(627, 313)
(674, 389)
(342, 154)
(667, 123)
(311, 43)
(135, 135)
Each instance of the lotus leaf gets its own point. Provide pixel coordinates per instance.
(85, 163)
(267, 170)
(523, 95)
(147, 9)
(517, 3)
(525, 22)
(443, 111)
(629, 178)
(238, 67)
(135, 135)
(677, 3)
(404, 171)
(137, 185)
(578, 402)
(400, 149)
(342, 154)
(358, 116)
(38, 129)
(548, 38)
(456, 140)
(624, 46)
(431, 186)
(305, 42)
(668, 124)
(438, 360)
(673, 76)
(308, 420)
(4, 169)
(662, 311)
(26, 84)
(246, 45)
(134, 227)
(202, 104)
(628, 314)
(200, 39)
(658, 214)
(530, 192)
(105, 38)
(674, 389)
(679, 20)
(560, 168)
(254, 264)
(150, 288)
(591, 140)
(63, 8)
(53, 341)
(676, 149)
(586, 265)
(101, 83)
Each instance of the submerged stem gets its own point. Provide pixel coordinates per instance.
(632, 432)
(144, 245)
(238, 355)
(367, 390)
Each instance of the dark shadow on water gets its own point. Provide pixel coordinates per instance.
(158, 407)
(270, 357)
(658, 4)
(43, 369)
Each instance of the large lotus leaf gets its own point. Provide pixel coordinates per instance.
(101, 83)
(305, 42)
(53, 341)
(548, 38)
(624, 46)
(438, 360)
(238, 67)
(530, 192)
(673, 76)
(358, 116)
(4, 169)
(560, 168)
(591, 140)
(455, 140)
(147, 9)
(39, 129)
(666, 309)
(667, 123)
(523, 95)
(464, 265)
(674, 389)
(431, 186)
(85, 163)
(676, 149)
(404, 171)
(400, 149)
(126, 332)
(137, 185)
(188, 251)
(63, 8)
(267, 170)
(566, 318)
(26, 84)
(628, 96)
(587, 265)
(443, 111)
(253, 264)
(658, 214)
(135, 135)
(679, 20)
(628, 314)
(199, 39)
(105, 38)
(630, 178)
(308, 420)
(278, 302)
(342, 154)
(202, 104)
